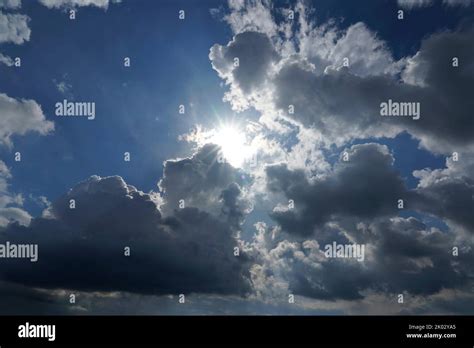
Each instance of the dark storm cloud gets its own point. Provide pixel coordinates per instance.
(410, 257)
(234, 207)
(402, 256)
(83, 248)
(449, 197)
(357, 203)
(366, 186)
(21, 300)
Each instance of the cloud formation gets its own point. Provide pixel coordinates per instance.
(14, 28)
(20, 117)
(10, 4)
(304, 71)
(366, 186)
(323, 86)
(190, 251)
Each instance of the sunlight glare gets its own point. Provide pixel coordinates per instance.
(232, 142)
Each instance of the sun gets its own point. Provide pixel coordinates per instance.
(233, 144)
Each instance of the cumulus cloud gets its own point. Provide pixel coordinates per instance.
(251, 15)
(335, 80)
(14, 28)
(402, 256)
(448, 192)
(10, 4)
(356, 202)
(343, 102)
(366, 186)
(237, 62)
(20, 116)
(190, 251)
(198, 181)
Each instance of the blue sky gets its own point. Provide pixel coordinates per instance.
(137, 107)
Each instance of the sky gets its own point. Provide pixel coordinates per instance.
(232, 143)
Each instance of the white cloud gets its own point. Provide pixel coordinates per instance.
(10, 203)
(20, 117)
(304, 69)
(409, 4)
(14, 28)
(6, 60)
(252, 15)
(10, 4)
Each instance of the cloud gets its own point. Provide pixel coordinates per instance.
(464, 3)
(341, 102)
(190, 251)
(328, 47)
(182, 239)
(63, 87)
(356, 202)
(410, 4)
(10, 204)
(21, 300)
(77, 3)
(448, 192)
(20, 116)
(300, 66)
(414, 4)
(6, 60)
(366, 186)
(402, 256)
(304, 70)
(14, 28)
(10, 4)
(198, 181)
(251, 16)
(254, 52)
